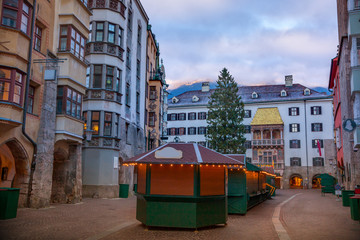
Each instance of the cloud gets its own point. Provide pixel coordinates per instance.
(258, 41)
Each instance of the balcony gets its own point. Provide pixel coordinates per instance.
(279, 165)
(267, 142)
(102, 94)
(114, 5)
(105, 48)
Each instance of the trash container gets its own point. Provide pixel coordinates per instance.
(9, 199)
(345, 197)
(124, 191)
(355, 207)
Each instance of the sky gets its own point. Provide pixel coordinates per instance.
(258, 41)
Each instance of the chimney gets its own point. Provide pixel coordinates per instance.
(205, 87)
(288, 81)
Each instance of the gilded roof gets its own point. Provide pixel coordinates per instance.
(267, 116)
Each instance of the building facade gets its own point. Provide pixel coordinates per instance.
(283, 125)
(349, 89)
(155, 93)
(114, 105)
(40, 147)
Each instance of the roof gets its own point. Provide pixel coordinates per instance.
(252, 167)
(333, 71)
(183, 153)
(239, 157)
(265, 93)
(267, 116)
(269, 169)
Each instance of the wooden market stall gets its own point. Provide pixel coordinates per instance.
(181, 185)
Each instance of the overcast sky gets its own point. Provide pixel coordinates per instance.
(259, 41)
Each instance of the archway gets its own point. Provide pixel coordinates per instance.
(316, 181)
(296, 181)
(15, 169)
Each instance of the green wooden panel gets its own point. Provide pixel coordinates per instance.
(237, 197)
(181, 212)
(237, 204)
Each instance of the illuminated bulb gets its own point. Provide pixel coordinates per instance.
(171, 165)
(160, 165)
(192, 165)
(182, 165)
(218, 165)
(207, 165)
(213, 165)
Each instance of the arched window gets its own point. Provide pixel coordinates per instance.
(254, 95)
(283, 93)
(306, 92)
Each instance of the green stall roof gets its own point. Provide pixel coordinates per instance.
(252, 167)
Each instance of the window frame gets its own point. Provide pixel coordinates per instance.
(318, 159)
(111, 33)
(314, 145)
(95, 74)
(151, 119)
(294, 160)
(19, 9)
(294, 111)
(315, 110)
(37, 38)
(65, 99)
(75, 43)
(190, 114)
(92, 120)
(201, 130)
(108, 124)
(15, 87)
(294, 127)
(99, 30)
(152, 95)
(109, 76)
(191, 130)
(317, 127)
(247, 113)
(294, 143)
(31, 97)
(202, 115)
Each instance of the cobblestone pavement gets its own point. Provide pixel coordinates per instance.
(306, 216)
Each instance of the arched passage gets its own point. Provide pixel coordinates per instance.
(316, 181)
(14, 168)
(296, 181)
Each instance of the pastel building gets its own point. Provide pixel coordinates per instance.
(283, 123)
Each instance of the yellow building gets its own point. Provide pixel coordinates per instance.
(30, 78)
(155, 95)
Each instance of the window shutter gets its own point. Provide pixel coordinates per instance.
(299, 143)
(189, 116)
(199, 115)
(320, 110)
(321, 127)
(297, 111)
(312, 127)
(188, 131)
(184, 130)
(184, 116)
(176, 131)
(290, 127)
(289, 111)
(169, 117)
(312, 110)
(298, 127)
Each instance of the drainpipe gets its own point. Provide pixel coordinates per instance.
(306, 147)
(33, 162)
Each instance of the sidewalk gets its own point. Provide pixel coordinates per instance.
(306, 216)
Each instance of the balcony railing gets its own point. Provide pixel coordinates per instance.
(114, 5)
(279, 165)
(267, 142)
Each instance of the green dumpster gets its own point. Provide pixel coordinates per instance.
(355, 207)
(327, 183)
(124, 191)
(345, 197)
(9, 198)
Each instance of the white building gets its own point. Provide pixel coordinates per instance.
(114, 106)
(283, 124)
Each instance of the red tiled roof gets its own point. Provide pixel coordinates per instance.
(192, 154)
(269, 169)
(239, 157)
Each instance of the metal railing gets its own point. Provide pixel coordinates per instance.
(267, 142)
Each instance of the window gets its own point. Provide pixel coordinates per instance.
(139, 35)
(72, 41)
(182, 131)
(120, 34)
(192, 130)
(127, 132)
(247, 129)
(11, 85)
(30, 107)
(294, 143)
(137, 102)
(69, 102)
(283, 93)
(173, 117)
(109, 77)
(318, 161)
(95, 120)
(294, 127)
(11, 16)
(247, 144)
(107, 123)
(111, 33)
(306, 92)
(128, 58)
(182, 116)
(171, 131)
(152, 119)
(118, 80)
(152, 93)
(87, 77)
(202, 115)
(254, 95)
(316, 110)
(37, 39)
(97, 76)
(315, 143)
(247, 114)
(117, 116)
(294, 111)
(316, 127)
(201, 130)
(127, 95)
(192, 116)
(90, 32)
(99, 34)
(138, 69)
(295, 161)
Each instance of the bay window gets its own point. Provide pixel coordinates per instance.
(16, 14)
(69, 102)
(111, 33)
(71, 40)
(11, 85)
(109, 77)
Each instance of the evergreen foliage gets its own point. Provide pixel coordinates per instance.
(225, 131)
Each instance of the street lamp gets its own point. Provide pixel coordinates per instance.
(88, 134)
